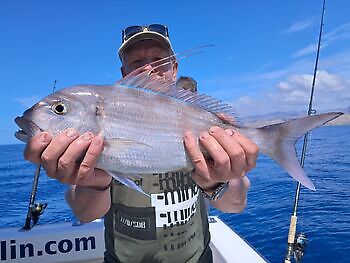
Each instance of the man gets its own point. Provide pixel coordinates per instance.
(187, 83)
(170, 225)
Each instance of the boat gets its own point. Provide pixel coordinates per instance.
(77, 242)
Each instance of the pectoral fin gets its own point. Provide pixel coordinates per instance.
(127, 181)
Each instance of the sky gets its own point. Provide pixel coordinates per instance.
(261, 61)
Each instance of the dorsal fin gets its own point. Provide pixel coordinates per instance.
(147, 79)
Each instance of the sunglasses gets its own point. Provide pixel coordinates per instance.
(132, 30)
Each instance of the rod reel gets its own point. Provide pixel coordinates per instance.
(34, 209)
(300, 246)
(37, 210)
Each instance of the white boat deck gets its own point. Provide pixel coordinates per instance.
(64, 242)
(228, 246)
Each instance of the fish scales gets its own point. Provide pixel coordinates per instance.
(155, 120)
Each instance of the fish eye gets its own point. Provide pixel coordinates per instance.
(59, 108)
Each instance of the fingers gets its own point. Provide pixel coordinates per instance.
(240, 149)
(232, 149)
(233, 155)
(196, 156)
(67, 162)
(57, 146)
(221, 160)
(250, 148)
(36, 146)
(59, 156)
(86, 173)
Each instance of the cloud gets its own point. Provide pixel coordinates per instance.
(310, 49)
(338, 63)
(287, 88)
(333, 83)
(300, 25)
(27, 102)
(293, 93)
(341, 32)
(246, 100)
(298, 87)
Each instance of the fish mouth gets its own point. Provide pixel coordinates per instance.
(28, 129)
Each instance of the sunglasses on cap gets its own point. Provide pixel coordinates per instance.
(132, 30)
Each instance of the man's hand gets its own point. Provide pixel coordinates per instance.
(232, 156)
(61, 157)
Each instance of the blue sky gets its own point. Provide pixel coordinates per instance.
(262, 59)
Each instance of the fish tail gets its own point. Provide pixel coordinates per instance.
(278, 142)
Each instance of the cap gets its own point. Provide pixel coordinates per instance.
(145, 34)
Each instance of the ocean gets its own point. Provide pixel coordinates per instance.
(324, 215)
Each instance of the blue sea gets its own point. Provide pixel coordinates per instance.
(324, 215)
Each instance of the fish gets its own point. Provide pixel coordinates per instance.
(143, 118)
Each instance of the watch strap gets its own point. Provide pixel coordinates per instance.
(217, 193)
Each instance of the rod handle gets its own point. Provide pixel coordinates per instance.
(292, 229)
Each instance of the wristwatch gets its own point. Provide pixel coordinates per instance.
(217, 193)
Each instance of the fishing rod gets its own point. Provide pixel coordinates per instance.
(35, 209)
(297, 242)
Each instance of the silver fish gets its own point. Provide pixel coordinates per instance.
(143, 119)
